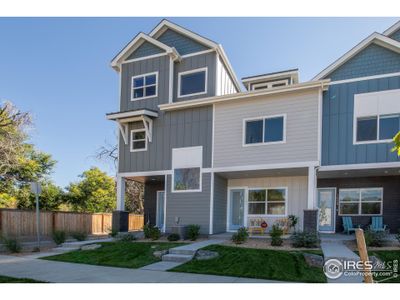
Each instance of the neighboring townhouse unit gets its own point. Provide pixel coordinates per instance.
(359, 174)
(211, 154)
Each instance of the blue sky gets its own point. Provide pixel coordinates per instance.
(58, 68)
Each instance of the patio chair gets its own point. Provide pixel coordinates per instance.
(377, 224)
(348, 225)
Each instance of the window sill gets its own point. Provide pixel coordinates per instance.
(373, 142)
(186, 191)
(190, 95)
(144, 98)
(264, 144)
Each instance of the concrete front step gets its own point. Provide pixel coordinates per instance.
(177, 257)
(182, 251)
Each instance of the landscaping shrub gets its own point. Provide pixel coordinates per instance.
(240, 236)
(173, 237)
(79, 235)
(12, 245)
(193, 231)
(147, 230)
(276, 236)
(155, 233)
(59, 237)
(127, 237)
(112, 232)
(305, 239)
(375, 238)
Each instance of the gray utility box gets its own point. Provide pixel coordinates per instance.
(181, 230)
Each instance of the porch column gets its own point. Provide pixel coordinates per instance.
(312, 187)
(120, 217)
(120, 193)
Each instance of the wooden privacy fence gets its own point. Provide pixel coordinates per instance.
(23, 222)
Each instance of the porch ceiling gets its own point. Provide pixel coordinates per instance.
(359, 173)
(264, 173)
(147, 179)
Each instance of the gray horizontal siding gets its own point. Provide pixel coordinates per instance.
(301, 111)
(373, 60)
(220, 204)
(160, 64)
(337, 124)
(191, 208)
(184, 45)
(146, 49)
(184, 128)
(195, 62)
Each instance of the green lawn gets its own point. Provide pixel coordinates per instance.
(386, 256)
(6, 279)
(256, 263)
(116, 254)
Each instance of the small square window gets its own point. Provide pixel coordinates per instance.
(144, 86)
(187, 179)
(138, 140)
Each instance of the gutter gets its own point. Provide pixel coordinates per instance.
(320, 84)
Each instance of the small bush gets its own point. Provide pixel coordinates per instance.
(305, 239)
(173, 237)
(276, 236)
(375, 238)
(112, 232)
(59, 237)
(79, 235)
(127, 237)
(193, 231)
(240, 236)
(155, 233)
(12, 245)
(147, 230)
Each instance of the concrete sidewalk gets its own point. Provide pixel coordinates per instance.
(61, 272)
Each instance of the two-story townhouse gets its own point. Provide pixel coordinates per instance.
(208, 153)
(359, 174)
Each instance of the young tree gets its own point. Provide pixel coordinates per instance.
(94, 193)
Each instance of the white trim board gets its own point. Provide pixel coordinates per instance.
(392, 29)
(359, 166)
(364, 78)
(267, 166)
(375, 37)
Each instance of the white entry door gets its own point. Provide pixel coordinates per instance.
(236, 209)
(326, 209)
(160, 209)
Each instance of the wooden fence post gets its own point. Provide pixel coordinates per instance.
(362, 249)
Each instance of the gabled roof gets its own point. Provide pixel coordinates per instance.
(392, 29)
(135, 43)
(375, 38)
(166, 24)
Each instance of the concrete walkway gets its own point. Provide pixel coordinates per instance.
(334, 248)
(61, 272)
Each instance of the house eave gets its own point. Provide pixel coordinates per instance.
(129, 114)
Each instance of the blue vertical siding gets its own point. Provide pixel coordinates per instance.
(145, 49)
(182, 44)
(337, 124)
(396, 35)
(373, 60)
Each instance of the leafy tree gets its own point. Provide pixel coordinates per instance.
(396, 141)
(50, 198)
(94, 193)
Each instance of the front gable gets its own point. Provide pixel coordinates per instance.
(146, 49)
(183, 44)
(373, 60)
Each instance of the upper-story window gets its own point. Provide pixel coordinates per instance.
(138, 140)
(264, 130)
(144, 86)
(186, 165)
(376, 117)
(193, 82)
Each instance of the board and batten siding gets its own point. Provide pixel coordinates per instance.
(220, 204)
(296, 193)
(337, 124)
(191, 208)
(196, 62)
(301, 145)
(183, 128)
(157, 64)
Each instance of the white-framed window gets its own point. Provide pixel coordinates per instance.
(144, 86)
(192, 83)
(267, 201)
(138, 140)
(264, 130)
(363, 201)
(187, 169)
(376, 117)
(270, 84)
